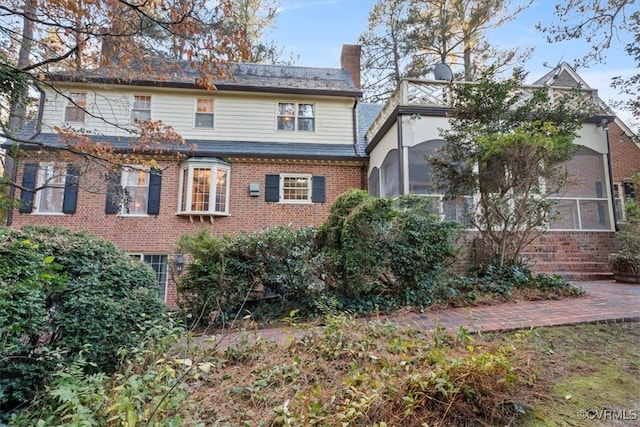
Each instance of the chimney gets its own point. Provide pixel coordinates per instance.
(350, 61)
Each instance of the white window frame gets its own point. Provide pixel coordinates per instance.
(124, 209)
(186, 191)
(77, 102)
(160, 275)
(295, 176)
(295, 116)
(47, 185)
(212, 113)
(134, 109)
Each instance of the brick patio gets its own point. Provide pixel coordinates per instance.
(604, 302)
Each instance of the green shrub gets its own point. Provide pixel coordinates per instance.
(226, 272)
(63, 293)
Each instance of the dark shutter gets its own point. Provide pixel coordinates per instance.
(272, 188)
(28, 184)
(155, 183)
(318, 189)
(112, 205)
(71, 189)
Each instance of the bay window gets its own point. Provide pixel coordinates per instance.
(204, 187)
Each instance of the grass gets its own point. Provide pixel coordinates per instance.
(591, 374)
(377, 374)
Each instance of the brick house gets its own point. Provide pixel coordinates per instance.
(282, 143)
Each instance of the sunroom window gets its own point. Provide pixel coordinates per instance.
(204, 187)
(584, 202)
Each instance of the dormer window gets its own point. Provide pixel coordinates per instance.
(294, 116)
(76, 105)
(141, 111)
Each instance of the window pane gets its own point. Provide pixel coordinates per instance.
(391, 175)
(141, 115)
(201, 189)
(594, 215)
(564, 216)
(136, 191)
(204, 120)
(305, 124)
(286, 123)
(204, 105)
(221, 191)
(51, 199)
(586, 175)
(141, 108)
(420, 171)
(185, 187)
(159, 264)
(53, 178)
(142, 102)
(286, 109)
(75, 107)
(305, 110)
(295, 188)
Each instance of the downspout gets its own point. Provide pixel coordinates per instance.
(12, 166)
(400, 154)
(605, 126)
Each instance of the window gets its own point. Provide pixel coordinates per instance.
(134, 191)
(50, 188)
(159, 265)
(76, 105)
(584, 203)
(204, 187)
(295, 188)
(293, 116)
(135, 185)
(141, 111)
(204, 113)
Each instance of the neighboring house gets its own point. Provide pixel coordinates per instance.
(274, 146)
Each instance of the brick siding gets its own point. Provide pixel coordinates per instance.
(159, 234)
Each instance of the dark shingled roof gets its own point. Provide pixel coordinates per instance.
(228, 148)
(367, 113)
(246, 76)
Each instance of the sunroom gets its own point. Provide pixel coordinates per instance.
(409, 128)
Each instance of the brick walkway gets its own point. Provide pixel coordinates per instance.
(605, 301)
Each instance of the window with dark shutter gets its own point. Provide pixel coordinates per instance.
(318, 189)
(272, 188)
(112, 205)
(155, 182)
(29, 184)
(71, 189)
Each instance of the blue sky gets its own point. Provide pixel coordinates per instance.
(316, 30)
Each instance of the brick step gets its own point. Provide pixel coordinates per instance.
(556, 267)
(587, 276)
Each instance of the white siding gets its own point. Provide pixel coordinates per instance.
(238, 116)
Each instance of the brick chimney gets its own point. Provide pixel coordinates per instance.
(350, 61)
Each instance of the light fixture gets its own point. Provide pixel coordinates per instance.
(416, 116)
(179, 263)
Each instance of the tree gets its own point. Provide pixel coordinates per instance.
(599, 23)
(62, 35)
(510, 153)
(407, 38)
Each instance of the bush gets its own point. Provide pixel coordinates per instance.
(63, 293)
(386, 251)
(227, 272)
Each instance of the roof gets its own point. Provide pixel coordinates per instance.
(367, 113)
(227, 148)
(245, 77)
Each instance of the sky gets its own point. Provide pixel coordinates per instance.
(315, 30)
